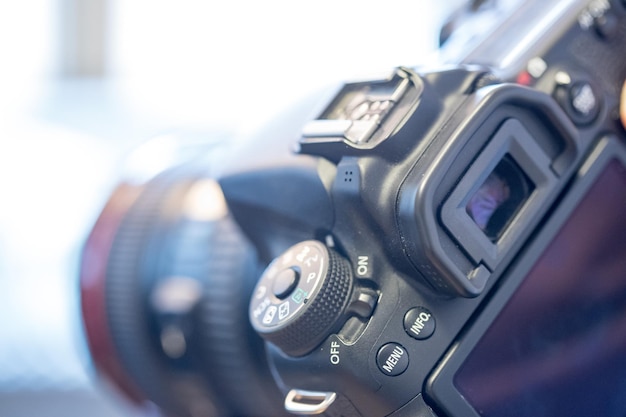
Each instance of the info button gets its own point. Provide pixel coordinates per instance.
(419, 323)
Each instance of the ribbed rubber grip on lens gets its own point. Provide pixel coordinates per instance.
(233, 355)
(126, 310)
(223, 371)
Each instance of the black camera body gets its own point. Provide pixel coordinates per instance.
(442, 243)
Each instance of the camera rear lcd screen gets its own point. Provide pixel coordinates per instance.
(558, 348)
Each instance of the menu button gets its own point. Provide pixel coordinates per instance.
(392, 359)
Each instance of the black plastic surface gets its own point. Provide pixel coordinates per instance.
(556, 324)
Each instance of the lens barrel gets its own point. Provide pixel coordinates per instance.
(179, 273)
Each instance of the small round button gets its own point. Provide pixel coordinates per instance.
(285, 282)
(392, 359)
(606, 26)
(419, 323)
(583, 99)
(579, 99)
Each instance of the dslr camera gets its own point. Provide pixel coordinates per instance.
(432, 242)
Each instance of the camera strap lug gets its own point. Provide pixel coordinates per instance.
(304, 402)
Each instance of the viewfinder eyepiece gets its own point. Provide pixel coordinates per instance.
(498, 199)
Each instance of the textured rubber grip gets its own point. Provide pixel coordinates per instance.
(126, 309)
(233, 355)
(224, 371)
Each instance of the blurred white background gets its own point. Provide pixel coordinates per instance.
(82, 82)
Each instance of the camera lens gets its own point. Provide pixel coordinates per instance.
(499, 197)
(176, 274)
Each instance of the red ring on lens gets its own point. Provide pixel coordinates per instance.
(93, 267)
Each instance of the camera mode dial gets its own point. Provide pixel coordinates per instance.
(302, 297)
